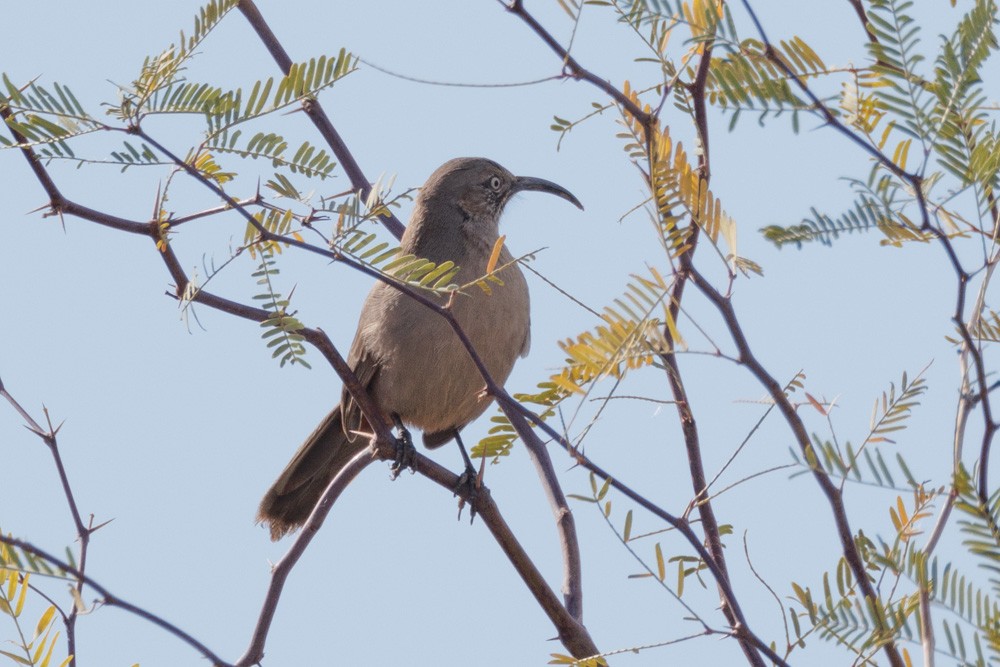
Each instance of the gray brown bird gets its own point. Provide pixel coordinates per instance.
(408, 357)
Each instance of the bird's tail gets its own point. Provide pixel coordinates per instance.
(290, 500)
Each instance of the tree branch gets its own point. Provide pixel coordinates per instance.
(689, 427)
(748, 642)
(315, 112)
(83, 531)
(830, 490)
(565, 524)
(279, 573)
(679, 523)
(572, 68)
(111, 600)
(574, 634)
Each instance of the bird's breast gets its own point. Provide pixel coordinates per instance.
(426, 374)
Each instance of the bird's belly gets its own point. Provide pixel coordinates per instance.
(430, 380)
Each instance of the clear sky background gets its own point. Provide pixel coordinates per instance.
(174, 432)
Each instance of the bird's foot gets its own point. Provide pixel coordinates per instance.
(404, 451)
(467, 490)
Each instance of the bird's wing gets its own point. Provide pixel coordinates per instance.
(526, 345)
(365, 367)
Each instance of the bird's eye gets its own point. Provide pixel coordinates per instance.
(494, 183)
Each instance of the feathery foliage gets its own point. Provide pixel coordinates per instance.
(895, 49)
(46, 119)
(944, 114)
(966, 143)
(889, 415)
(34, 647)
(281, 328)
(982, 525)
(630, 336)
(390, 260)
(881, 204)
(746, 79)
(307, 159)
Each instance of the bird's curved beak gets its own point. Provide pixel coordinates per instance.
(541, 185)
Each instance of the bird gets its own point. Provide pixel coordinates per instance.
(407, 357)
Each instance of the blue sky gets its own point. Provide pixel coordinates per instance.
(175, 431)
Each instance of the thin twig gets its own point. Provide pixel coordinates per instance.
(455, 84)
(83, 532)
(682, 525)
(748, 641)
(833, 495)
(781, 605)
(111, 600)
(316, 113)
(279, 573)
(571, 67)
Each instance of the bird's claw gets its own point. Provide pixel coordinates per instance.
(467, 490)
(404, 453)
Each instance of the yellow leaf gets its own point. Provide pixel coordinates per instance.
(48, 654)
(11, 584)
(21, 596)
(902, 510)
(37, 655)
(816, 404)
(45, 620)
(895, 519)
(675, 334)
(495, 255)
(885, 136)
(565, 383)
(901, 152)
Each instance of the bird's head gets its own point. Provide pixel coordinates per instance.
(481, 187)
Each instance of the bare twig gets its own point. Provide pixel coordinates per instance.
(681, 524)
(571, 67)
(572, 564)
(111, 600)
(316, 113)
(781, 605)
(83, 531)
(455, 84)
(180, 220)
(689, 427)
(749, 643)
(281, 570)
(830, 490)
